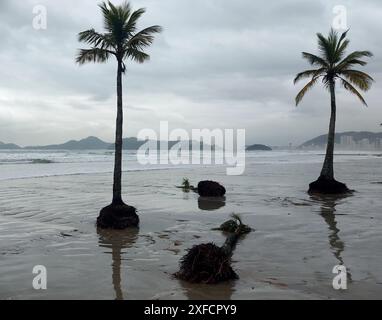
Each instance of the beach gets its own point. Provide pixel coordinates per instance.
(48, 213)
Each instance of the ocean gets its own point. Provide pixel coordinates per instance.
(49, 201)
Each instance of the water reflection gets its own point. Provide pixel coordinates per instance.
(117, 240)
(328, 212)
(210, 204)
(221, 291)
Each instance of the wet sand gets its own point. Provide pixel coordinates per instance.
(298, 240)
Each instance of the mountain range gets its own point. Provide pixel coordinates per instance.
(90, 143)
(94, 143)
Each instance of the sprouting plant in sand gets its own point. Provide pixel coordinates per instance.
(208, 263)
(121, 41)
(186, 185)
(332, 67)
(233, 225)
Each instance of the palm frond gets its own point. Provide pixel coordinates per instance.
(96, 39)
(136, 55)
(361, 79)
(108, 25)
(314, 60)
(124, 10)
(324, 47)
(353, 90)
(343, 37)
(131, 23)
(144, 38)
(306, 88)
(308, 73)
(342, 45)
(353, 59)
(340, 51)
(92, 55)
(115, 18)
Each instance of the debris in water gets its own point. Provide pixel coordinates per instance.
(210, 264)
(233, 224)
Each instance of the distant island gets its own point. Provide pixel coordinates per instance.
(258, 147)
(350, 140)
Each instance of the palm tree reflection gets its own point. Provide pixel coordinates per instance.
(197, 291)
(117, 240)
(328, 212)
(210, 204)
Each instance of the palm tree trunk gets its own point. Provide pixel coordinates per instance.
(230, 243)
(327, 172)
(117, 188)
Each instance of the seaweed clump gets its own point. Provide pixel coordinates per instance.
(210, 264)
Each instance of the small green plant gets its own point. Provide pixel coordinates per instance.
(186, 183)
(234, 225)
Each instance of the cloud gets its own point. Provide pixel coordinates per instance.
(226, 64)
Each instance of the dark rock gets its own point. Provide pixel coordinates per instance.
(210, 189)
(328, 186)
(120, 216)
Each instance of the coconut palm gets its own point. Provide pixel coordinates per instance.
(332, 66)
(121, 41)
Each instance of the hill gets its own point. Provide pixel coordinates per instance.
(349, 138)
(9, 146)
(89, 143)
(258, 147)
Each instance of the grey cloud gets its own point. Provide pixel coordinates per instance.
(218, 63)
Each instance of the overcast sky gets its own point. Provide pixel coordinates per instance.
(218, 64)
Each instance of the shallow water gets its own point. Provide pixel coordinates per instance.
(48, 219)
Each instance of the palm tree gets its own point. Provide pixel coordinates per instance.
(331, 67)
(121, 41)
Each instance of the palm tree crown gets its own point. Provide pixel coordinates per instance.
(331, 65)
(120, 40)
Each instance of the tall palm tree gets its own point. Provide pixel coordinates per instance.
(121, 41)
(332, 67)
